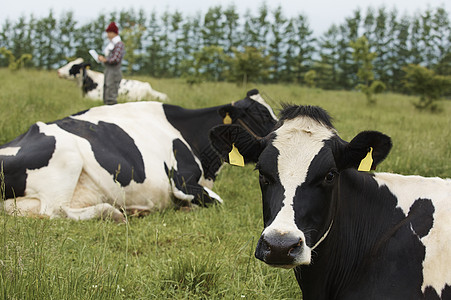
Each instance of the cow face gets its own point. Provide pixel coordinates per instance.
(299, 165)
(67, 72)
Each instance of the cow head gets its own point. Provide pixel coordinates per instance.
(67, 72)
(299, 165)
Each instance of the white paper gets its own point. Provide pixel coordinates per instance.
(94, 55)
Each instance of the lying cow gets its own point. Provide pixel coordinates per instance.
(91, 83)
(131, 156)
(348, 234)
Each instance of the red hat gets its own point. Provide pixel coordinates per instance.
(112, 28)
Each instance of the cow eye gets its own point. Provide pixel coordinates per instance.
(330, 177)
(263, 180)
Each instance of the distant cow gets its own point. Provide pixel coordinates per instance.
(130, 156)
(91, 83)
(348, 234)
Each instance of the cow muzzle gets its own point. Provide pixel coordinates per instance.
(282, 250)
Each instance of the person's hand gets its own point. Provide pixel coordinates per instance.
(102, 58)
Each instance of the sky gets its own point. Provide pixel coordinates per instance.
(321, 14)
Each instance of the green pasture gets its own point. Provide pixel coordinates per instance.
(197, 254)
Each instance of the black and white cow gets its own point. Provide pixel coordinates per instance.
(91, 83)
(132, 156)
(348, 234)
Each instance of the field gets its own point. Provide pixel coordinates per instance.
(203, 253)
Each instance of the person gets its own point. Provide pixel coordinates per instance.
(112, 60)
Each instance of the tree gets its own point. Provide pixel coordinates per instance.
(400, 50)
(132, 37)
(347, 68)
(151, 64)
(327, 66)
(14, 63)
(213, 27)
(364, 59)
(231, 29)
(208, 64)
(425, 83)
(66, 32)
(381, 46)
(310, 78)
(46, 42)
(250, 65)
(277, 42)
(300, 49)
(256, 29)
(178, 42)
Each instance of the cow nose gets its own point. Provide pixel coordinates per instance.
(278, 249)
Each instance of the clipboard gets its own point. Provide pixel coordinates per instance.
(94, 55)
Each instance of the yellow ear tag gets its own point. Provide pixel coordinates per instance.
(235, 158)
(227, 119)
(365, 164)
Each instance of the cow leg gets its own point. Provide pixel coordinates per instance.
(185, 179)
(22, 206)
(99, 211)
(187, 190)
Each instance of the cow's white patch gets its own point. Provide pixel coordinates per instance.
(407, 189)
(213, 195)
(9, 151)
(262, 101)
(298, 141)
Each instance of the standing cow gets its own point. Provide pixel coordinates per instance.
(348, 234)
(132, 156)
(91, 83)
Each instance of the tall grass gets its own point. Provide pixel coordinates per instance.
(197, 254)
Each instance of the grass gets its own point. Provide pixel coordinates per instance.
(200, 254)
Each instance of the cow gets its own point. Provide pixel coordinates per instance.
(348, 233)
(91, 83)
(136, 156)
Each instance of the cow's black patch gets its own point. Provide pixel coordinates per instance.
(113, 148)
(36, 149)
(196, 133)
(80, 112)
(431, 294)
(446, 292)
(186, 177)
(312, 198)
(271, 188)
(88, 84)
(421, 216)
(75, 69)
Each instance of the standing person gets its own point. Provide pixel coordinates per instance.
(112, 60)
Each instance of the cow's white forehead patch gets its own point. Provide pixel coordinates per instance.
(298, 141)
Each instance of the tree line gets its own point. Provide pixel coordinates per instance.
(260, 46)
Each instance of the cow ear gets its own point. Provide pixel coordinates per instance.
(224, 137)
(366, 150)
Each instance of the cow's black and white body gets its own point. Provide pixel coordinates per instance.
(348, 234)
(131, 156)
(91, 83)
